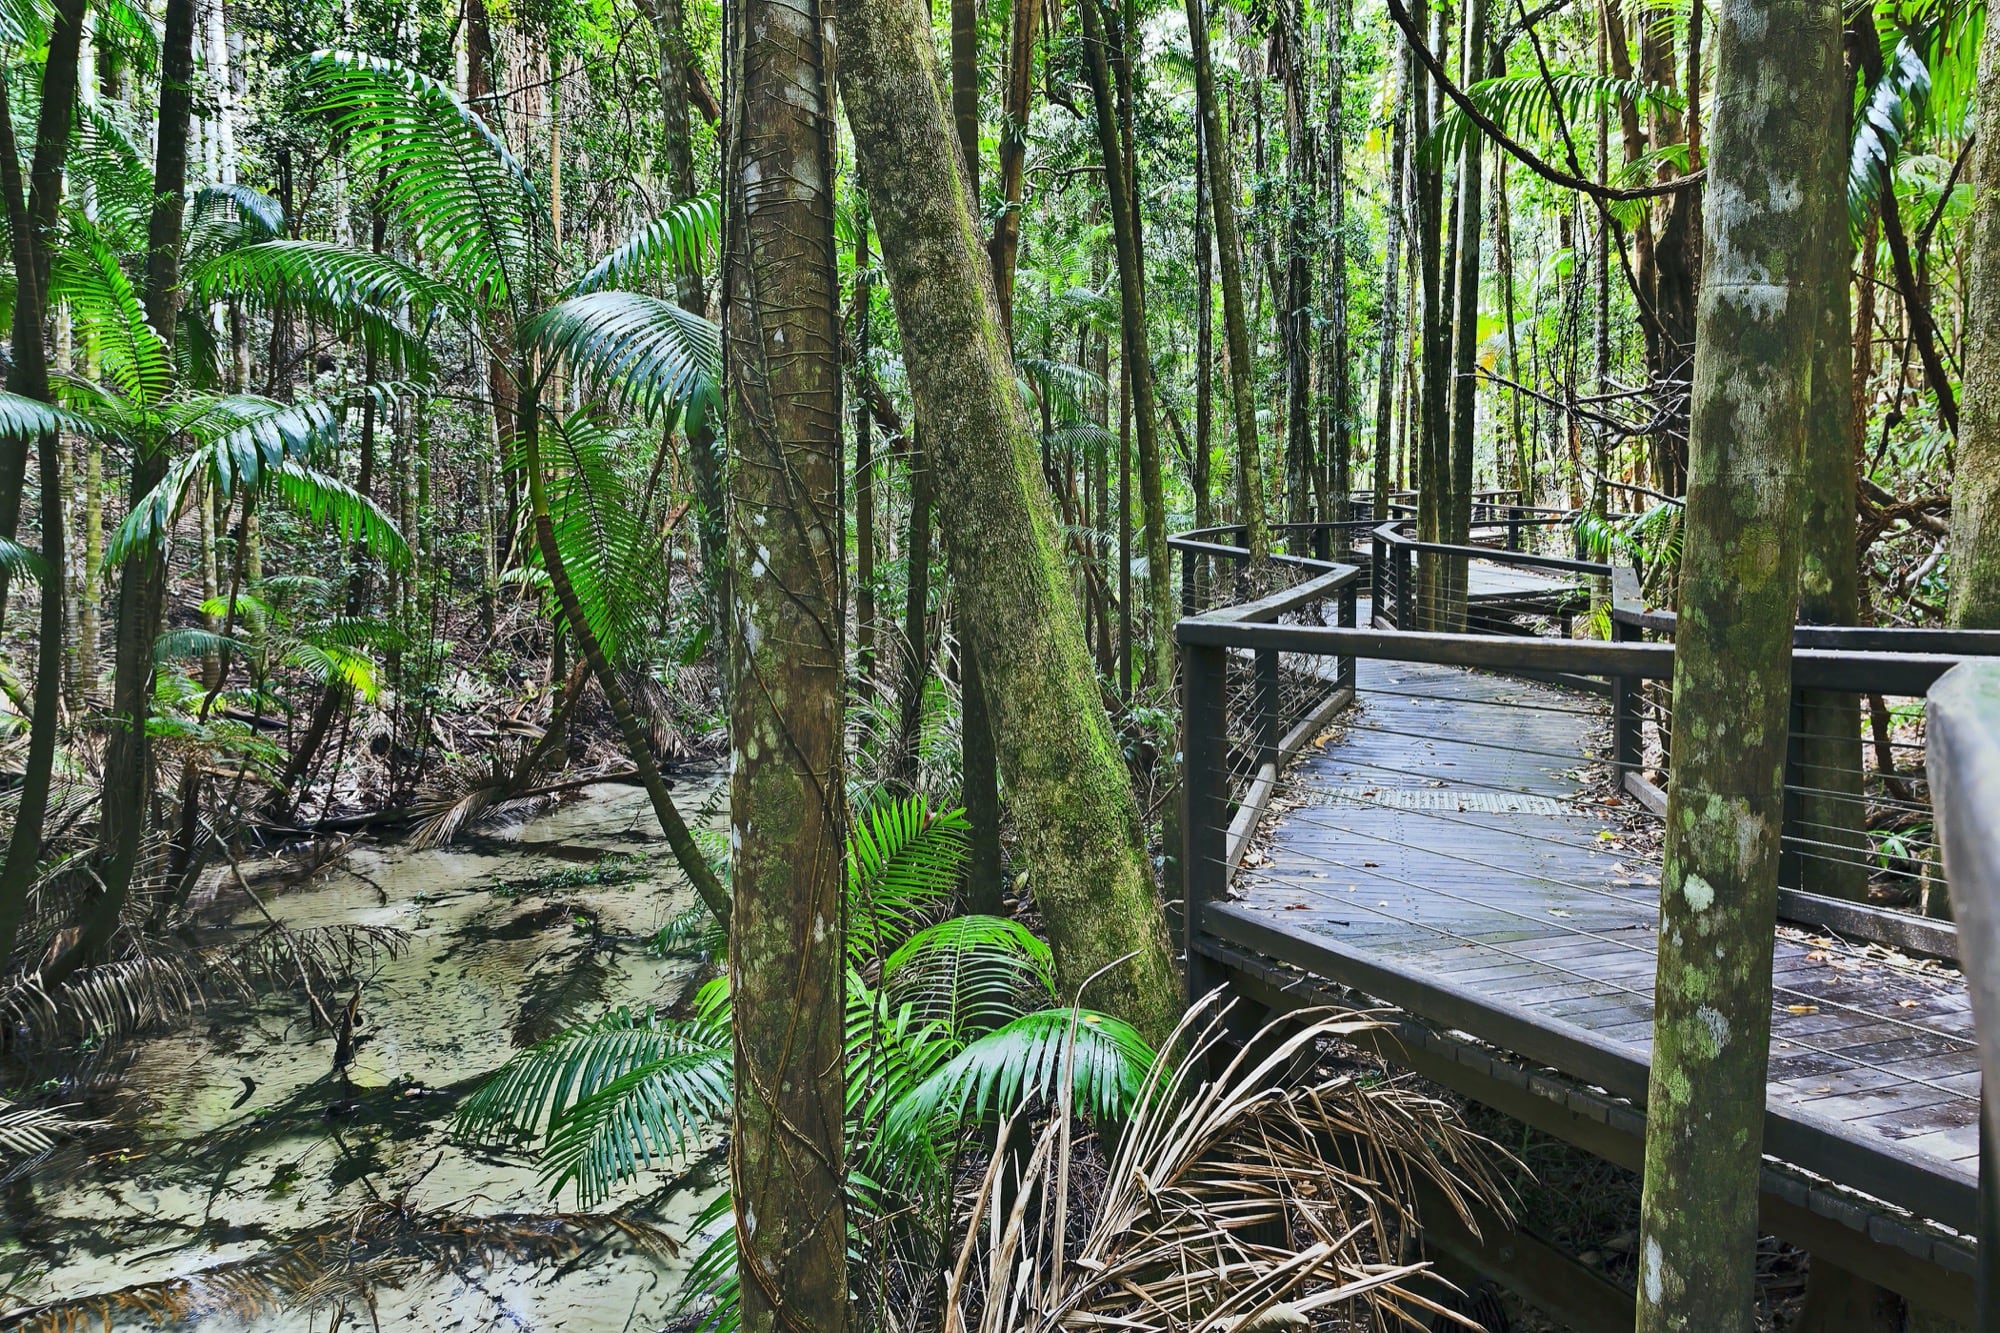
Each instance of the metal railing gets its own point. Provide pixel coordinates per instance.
(1525, 636)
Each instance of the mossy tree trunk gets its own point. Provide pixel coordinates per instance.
(1776, 74)
(1066, 781)
(787, 792)
(1975, 490)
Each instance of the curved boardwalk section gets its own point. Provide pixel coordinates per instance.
(1450, 844)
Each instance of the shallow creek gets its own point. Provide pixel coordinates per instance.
(245, 1137)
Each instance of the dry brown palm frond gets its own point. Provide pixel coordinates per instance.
(27, 1131)
(163, 983)
(1273, 1182)
(384, 1246)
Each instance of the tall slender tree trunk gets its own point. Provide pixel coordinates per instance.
(1975, 493)
(1223, 201)
(985, 877)
(864, 473)
(1390, 352)
(1465, 346)
(1776, 77)
(1135, 338)
(916, 607)
(1066, 780)
(787, 793)
(35, 203)
(1337, 373)
(1204, 337)
(30, 211)
(1435, 337)
(1005, 247)
(142, 584)
(1832, 853)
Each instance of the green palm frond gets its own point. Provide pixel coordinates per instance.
(1067, 386)
(649, 1114)
(904, 860)
(113, 163)
(529, 1093)
(183, 642)
(87, 277)
(971, 974)
(614, 554)
(1526, 106)
(223, 217)
(448, 179)
(356, 293)
(25, 419)
(644, 351)
(25, 22)
(17, 561)
(355, 672)
(997, 1073)
(681, 240)
(1889, 112)
(328, 501)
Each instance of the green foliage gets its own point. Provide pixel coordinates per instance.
(1527, 106)
(470, 207)
(19, 562)
(646, 352)
(681, 240)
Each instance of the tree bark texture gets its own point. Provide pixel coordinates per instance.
(1066, 780)
(787, 792)
(1831, 842)
(1975, 491)
(1776, 74)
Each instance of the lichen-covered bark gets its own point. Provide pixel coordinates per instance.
(1975, 490)
(1066, 782)
(1776, 74)
(1832, 846)
(787, 797)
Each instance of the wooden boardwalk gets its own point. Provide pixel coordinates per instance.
(1444, 848)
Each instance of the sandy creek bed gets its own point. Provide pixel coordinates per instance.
(501, 949)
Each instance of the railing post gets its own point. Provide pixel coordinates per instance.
(1378, 573)
(1270, 707)
(1204, 797)
(1627, 693)
(1323, 542)
(1791, 861)
(1513, 527)
(1344, 673)
(1403, 589)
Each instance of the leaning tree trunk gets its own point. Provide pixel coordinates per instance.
(1975, 491)
(1776, 74)
(1223, 202)
(1832, 851)
(1066, 780)
(787, 790)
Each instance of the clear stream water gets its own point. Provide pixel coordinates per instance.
(512, 932)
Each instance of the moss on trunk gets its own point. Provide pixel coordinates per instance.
(1975, 491)
(1776, 75)
(1065, 778)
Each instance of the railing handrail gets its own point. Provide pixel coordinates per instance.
(1389, 535)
